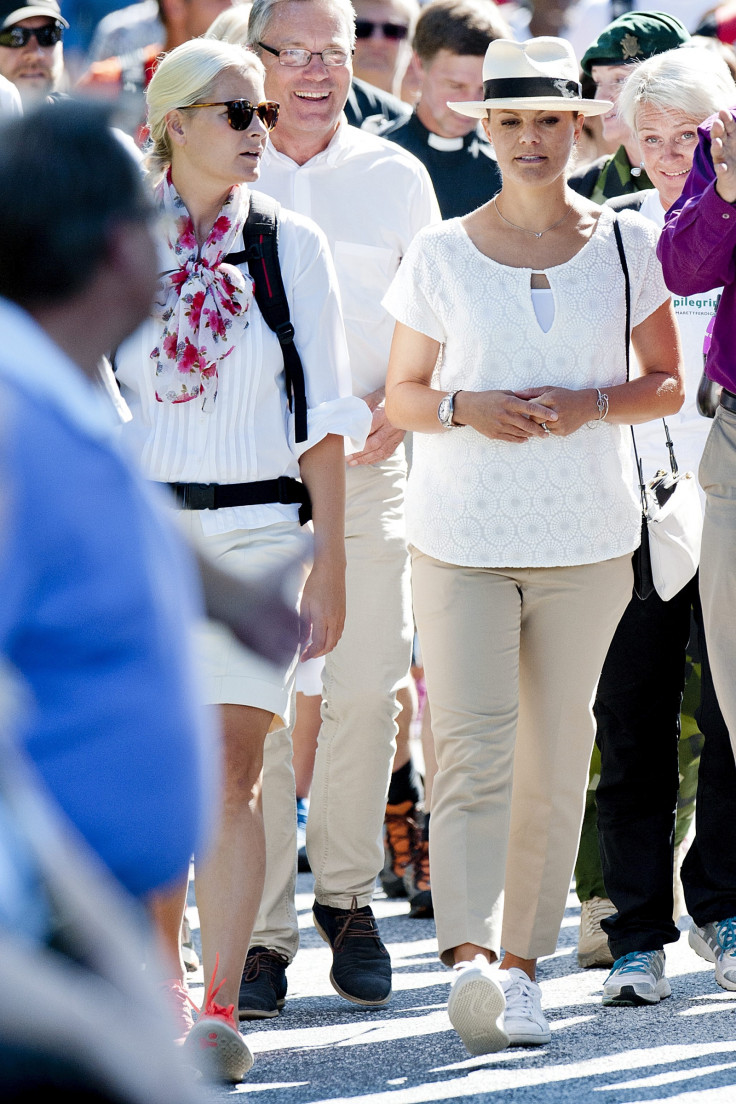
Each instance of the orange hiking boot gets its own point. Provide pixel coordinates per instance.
(398, 824)
(418, 884)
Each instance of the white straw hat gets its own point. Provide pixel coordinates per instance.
(540, 74)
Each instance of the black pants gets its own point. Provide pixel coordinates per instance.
(637, 711)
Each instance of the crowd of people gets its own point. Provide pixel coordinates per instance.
(326, 328)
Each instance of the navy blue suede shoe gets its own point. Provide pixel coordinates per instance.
(263, 985)
(361, 966)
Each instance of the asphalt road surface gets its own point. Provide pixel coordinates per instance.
(322, 1048)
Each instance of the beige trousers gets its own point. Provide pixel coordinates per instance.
(512, 658)
(717, 476)
(357, 740)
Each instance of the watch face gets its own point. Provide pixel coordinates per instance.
(445, 410)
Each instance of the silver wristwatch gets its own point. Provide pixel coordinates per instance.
(446, 411)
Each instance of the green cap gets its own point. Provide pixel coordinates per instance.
(634, 37)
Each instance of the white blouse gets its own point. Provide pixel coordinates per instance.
(249, 435)
(553, 501)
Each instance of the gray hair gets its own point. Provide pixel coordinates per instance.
(262, 10)
(231, 25)
(186, 76)
(691, 81)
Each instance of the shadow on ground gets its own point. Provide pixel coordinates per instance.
(324, 1049)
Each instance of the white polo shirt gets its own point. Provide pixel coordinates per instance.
(9, 98)
(370, 198)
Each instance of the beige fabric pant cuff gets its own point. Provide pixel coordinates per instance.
(512, 658)
(358, 736)
(717, 476)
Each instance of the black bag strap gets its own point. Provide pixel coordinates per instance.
(643, 581)
(670, 445)
(261, 254)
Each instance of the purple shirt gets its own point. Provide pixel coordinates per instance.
(698, 253)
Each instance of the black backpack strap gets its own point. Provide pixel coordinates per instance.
(261, 254)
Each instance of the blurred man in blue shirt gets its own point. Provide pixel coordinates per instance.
(98, 592)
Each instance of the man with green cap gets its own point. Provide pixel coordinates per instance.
(631, 38)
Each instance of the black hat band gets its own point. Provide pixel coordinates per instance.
(507, 88)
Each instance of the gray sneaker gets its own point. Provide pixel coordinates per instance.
(716, 942)
(636, 979)
(593, 941)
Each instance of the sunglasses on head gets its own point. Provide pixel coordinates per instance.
(364, 28)
(15, 37)
(240, 112)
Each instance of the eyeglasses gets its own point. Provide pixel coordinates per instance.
(240, 112)
(298, 59)
(364, 28)
(48, 35)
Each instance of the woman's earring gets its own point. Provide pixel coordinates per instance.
(638, 172)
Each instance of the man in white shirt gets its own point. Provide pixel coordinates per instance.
(31, 48)
(370, 198)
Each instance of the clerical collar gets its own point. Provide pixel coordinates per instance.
(447, 145)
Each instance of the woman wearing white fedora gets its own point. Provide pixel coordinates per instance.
(509, 363)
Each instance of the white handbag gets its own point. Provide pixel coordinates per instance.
(672, 517)
(674, 521)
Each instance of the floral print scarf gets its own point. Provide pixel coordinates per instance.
(203, 303)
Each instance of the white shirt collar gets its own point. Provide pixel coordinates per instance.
(30, 360)
(446, 145)
(329, 156)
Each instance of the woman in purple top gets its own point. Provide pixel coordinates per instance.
(698, 250)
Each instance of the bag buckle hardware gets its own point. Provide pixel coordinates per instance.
(285, 333)
(199, 496)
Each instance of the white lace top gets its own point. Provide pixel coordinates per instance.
(553, 501)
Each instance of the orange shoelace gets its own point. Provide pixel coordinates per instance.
(398, 836)
(421, 866)
(210, 1006)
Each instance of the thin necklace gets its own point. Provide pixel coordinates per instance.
(534, 233)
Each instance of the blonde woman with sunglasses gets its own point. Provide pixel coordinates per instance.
(204, 378)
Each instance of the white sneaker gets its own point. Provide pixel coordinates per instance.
(476, 1006)
(524, 1020)
(716, 943)
(637, 978)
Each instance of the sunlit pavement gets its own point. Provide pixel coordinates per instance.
(321, 1048)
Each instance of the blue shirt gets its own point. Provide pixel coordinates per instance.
(98, 598)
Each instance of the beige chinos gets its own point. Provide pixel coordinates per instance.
(512, 657)
(717, 476)
(357, 740)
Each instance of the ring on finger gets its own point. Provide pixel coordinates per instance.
(545, 427)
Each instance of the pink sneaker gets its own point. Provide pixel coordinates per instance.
(180, 1004)
(214, 1044)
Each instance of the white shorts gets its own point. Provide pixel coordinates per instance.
(232, 674)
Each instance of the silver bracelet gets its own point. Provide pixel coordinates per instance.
(602, 405)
